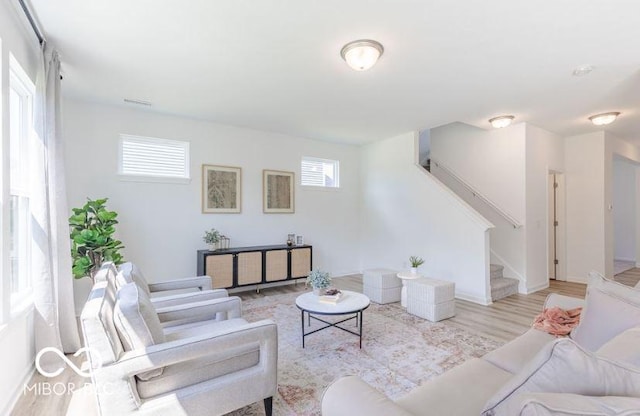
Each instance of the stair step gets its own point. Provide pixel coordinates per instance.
(496, 271)
(502, 287)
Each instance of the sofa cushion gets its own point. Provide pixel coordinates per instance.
(192, 372)
(565, 404)
(623, 347)
(513, 356)
(461, 391)
(565, 367)
(137, 322)
(610, 309)
(129, 272)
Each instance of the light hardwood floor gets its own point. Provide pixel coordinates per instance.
(502, 321)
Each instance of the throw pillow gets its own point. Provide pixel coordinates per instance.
(611, 308)
(137, 322)
(623, 347)
(129, 272)
(564, 367)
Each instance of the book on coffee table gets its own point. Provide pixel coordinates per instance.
(331, 296)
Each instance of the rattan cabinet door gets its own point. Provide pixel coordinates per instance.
(276, 265)
(249, 268)
(220, 268)
(300, 262)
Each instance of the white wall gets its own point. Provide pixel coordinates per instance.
(585, 192)
(492, 162)
(17, 348)
(624, 210)
(407, 212)
(161, 224)
(544, 153)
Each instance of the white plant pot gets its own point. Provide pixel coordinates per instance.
(414, 270)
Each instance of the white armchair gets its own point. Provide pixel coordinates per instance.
(200, 287)
(141, 367)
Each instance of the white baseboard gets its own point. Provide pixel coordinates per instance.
(530, 290)
(627, 260)
(576, 279)
(473, 298)
(17, 392)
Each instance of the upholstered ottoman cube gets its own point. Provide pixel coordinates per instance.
(431, 299)
(381, 285)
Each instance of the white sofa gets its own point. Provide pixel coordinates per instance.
(531, 375)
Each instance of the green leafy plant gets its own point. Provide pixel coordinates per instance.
(319, 279)
(416, 261)
(212, 236)
(92, 243)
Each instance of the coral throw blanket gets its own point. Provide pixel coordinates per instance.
(556, 321)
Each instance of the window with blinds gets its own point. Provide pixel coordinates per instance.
(151, 158)
(319, 172)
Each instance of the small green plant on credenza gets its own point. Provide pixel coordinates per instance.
(211, 237)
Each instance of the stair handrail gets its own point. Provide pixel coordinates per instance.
(514, 222)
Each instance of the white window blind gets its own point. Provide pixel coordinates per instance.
(319, 172)
(151, 157)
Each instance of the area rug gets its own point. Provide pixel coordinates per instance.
(399, 352)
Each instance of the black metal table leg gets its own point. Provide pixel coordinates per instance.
(302, 320)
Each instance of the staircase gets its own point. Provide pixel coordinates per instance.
(501, 286)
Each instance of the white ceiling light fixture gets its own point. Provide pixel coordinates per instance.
(604, 118)
(362, 54)
(582, 70)
(501, 121)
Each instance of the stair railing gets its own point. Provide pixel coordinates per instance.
(477, 194)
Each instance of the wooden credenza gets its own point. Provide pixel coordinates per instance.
(243, 266)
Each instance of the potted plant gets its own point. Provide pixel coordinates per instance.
(92, 243)
(211, 237)
(318, 280)
(415, 263)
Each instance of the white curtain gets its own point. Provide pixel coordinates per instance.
(54, 317)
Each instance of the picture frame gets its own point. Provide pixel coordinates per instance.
(278, 192)
(221, 189)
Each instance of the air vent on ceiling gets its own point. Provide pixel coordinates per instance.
(137, 102)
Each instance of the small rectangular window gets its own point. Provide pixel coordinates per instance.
(149, 158)
(319, 172)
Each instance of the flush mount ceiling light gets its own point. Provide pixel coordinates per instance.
(501, 121)
(582, 70)
(362, 54)
(604, 118)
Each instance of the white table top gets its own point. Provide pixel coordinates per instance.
(349, 302)
(408, 275)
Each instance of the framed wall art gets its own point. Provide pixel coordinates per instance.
(221, 189)
(277, 192)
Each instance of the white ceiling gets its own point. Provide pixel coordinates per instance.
(275, 64)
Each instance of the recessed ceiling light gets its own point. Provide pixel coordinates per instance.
(501, 121)
(582, 70)
(362, 54)
(137, 102)
(604, 118)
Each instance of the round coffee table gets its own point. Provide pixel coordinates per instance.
(351, 303)
(403, 294)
